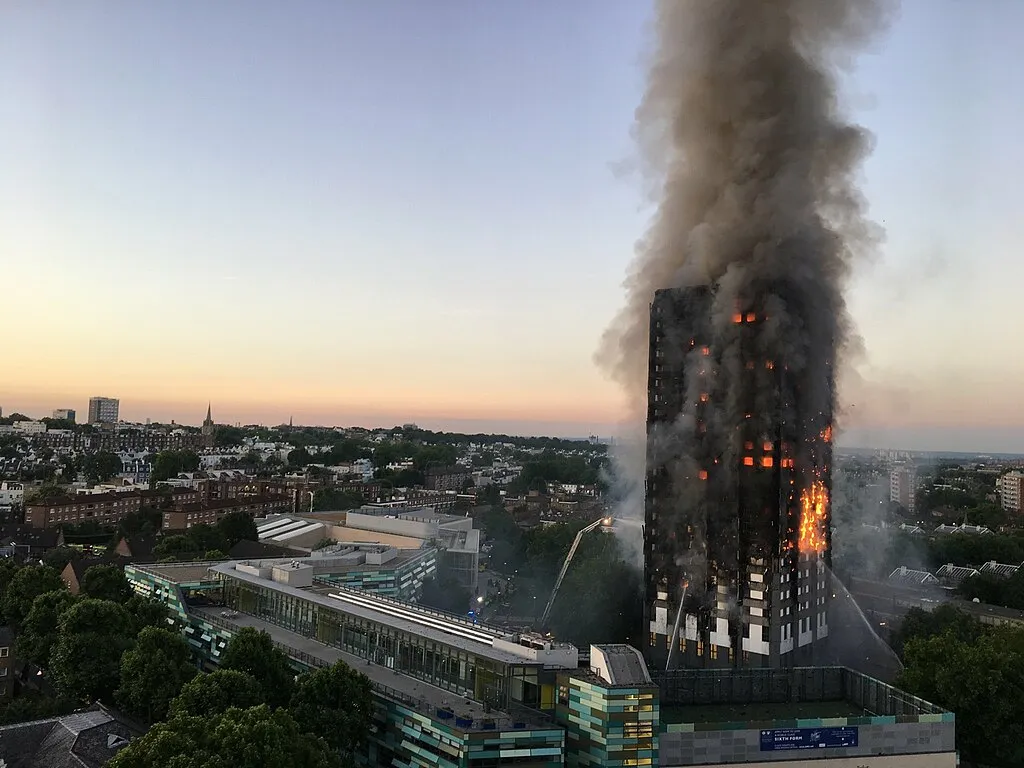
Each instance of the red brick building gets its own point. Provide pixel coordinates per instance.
(106, 509)
(184, 516)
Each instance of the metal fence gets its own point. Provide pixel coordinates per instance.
(701, 687)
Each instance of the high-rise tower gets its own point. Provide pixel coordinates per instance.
(736, 533)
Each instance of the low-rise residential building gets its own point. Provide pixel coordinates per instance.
(105, 509)
(447, 478)
(24, 541)
(12, 495)
(183, 516)
(29, 427)
(87, 738)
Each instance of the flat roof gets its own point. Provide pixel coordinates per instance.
(389, 613)
(759, 713)
(178, 573)
(426, 696)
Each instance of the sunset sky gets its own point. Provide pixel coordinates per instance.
(390, 211)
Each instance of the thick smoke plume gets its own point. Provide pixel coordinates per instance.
(754, 167)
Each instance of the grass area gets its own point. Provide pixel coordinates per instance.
(732, 713)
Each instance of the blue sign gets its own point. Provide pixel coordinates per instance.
(807, 738)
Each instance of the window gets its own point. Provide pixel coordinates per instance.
(5, 652)
(3, 671)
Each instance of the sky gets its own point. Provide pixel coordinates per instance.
(376, 213)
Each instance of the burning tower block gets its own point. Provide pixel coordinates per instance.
(737, 534)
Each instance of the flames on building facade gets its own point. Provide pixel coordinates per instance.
(737, 515)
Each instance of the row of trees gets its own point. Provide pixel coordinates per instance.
(977, 672)
(251, 711)
(110, 645)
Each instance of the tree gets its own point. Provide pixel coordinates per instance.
(336, 704)
(39, 632)
(59, 557)
(919, 624)
(299, 457)
(242, 738)
(48, 490)
(209, 695)
(168, 464)
(254, 653)
(101, 466)
(146, 520)
(25, 586)
(225, 435)
(153, 673)
(982, 682)
(32, 705)
(334, 499)
(236, 526)
(106, 582)
(146, 612)
(85, 660)
(176, 547)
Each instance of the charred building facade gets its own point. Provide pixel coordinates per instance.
(736, 534)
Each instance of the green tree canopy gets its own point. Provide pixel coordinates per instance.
(238, 738)
(919, 624)
(153, 673)
(254, 653)
(106, 582)
(178, 547)
(26, 585)
(209, 695)
(101, 466)
(336, 704)
(146, 612)
(59, 557)
(85, 660)
(168, 464)
(982, 682)
(39, 633)
(233, 528)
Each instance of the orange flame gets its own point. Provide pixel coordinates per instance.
(813, 511)
(826, 435)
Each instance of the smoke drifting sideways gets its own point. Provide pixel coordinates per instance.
(754, 170)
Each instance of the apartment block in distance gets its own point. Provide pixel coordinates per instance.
(1011, 491)
(103, 410)
(903, 486)
(737, 529)
(67, 414)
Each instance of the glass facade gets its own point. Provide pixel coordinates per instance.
(403, 582)
(463, 672)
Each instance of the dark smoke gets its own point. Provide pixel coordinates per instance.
(755, 167)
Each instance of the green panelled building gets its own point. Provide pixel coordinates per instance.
(452, 693)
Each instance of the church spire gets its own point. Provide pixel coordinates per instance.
(209, 412)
